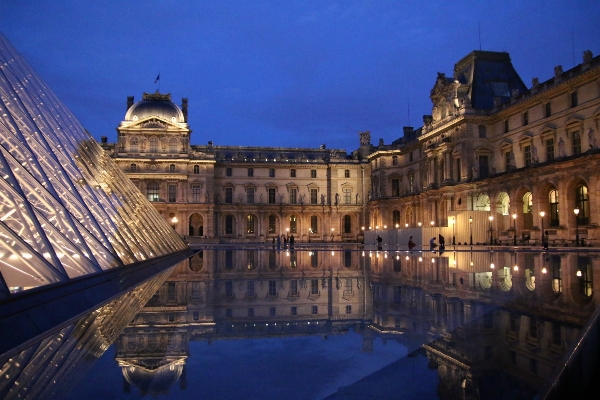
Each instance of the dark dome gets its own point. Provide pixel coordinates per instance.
(155, 105)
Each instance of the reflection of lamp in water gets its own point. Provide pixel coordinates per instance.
(516, 267)
(491, 218)
(453, 222)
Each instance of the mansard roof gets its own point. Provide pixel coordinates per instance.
(489, 75)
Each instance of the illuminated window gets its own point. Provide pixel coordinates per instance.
(153, 191)
(314, 224)
(250, 224)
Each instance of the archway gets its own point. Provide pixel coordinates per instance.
(196, 223)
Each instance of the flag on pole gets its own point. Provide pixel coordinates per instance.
(157, 78)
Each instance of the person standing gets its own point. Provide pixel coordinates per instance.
(545, 240)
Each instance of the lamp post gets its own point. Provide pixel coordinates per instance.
(331, 235)
(491, 218)
(576, 211)
(514, 228)
(453, 220)
(174, 221)
(471, 231)
(542, 214)
(310, 231)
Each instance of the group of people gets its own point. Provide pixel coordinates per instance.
(286, 241)
(432, 243)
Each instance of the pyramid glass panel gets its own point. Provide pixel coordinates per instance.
(66, 209)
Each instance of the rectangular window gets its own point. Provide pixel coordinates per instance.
(314, 286)
(313, 196)
(576, 143)
(229, 289)
(272, 311)
(574, 99)
(229, 195)
(271, 172)
(250, 225)
(533, 331)
(196, 193)
(525, 118)
(313, 224)
(251, 312)
(348, 309)
(458, 171)
(133, 167)
(347, 196)
(395, 187)
(484, 166)
(250, 171)
(315, 310)
(527, 155)
(271, 195)
(314, 260)
(272, 222)
(292, 173)
(294, 287)
(346, 173)
(394, 162)
(548, 109)
(172, 193)
(250, 195)
(313, 173)
(228, 172)
(294, 310)
(293, 224)
(505, 125)
(293, 196)
(411, 183)
(556, 334)
(550, 149)
(507, 160)
(196, 315)
(397, 264)
(272, 288)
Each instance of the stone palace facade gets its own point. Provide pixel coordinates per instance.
(495, 161)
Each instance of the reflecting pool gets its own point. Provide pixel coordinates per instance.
(327, 323)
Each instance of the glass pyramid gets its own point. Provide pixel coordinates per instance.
(66, 210)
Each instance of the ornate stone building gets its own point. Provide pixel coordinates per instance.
(495, 156)
(239, 193)
(496, 160)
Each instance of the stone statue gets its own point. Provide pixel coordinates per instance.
(534, 154)
(474, 171)
(587, 56)
(561, 148)
(558, 71)
(591, 139)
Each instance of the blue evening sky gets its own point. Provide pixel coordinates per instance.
(284, 73)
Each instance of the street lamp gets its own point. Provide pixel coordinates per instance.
(542, 214)
(471, 231)
(491, 218)
(419, 224)
(515, 228)
(432, 223)
(453, 221)
(576, 211)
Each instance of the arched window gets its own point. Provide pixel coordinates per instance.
(394, 160)
(196, 169)
(293, 224)
(347, 224)
(250, 224)
(153, 145)
(395, 218)
(153, 191)
(527, 211)
(314, 224)
(582, 202)
(172, 168)
(272, 224)
(173, 144)
(133, 167)
(556, 274)
(553, 198)
(229, 224)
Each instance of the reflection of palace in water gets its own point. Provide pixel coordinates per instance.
(487, 320)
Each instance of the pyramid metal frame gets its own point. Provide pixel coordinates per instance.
(66, 210)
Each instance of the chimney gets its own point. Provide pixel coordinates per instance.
(103, 139)
(184, 108)
(129, 102)
(408, 130)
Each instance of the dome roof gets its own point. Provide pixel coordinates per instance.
(155, 105)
